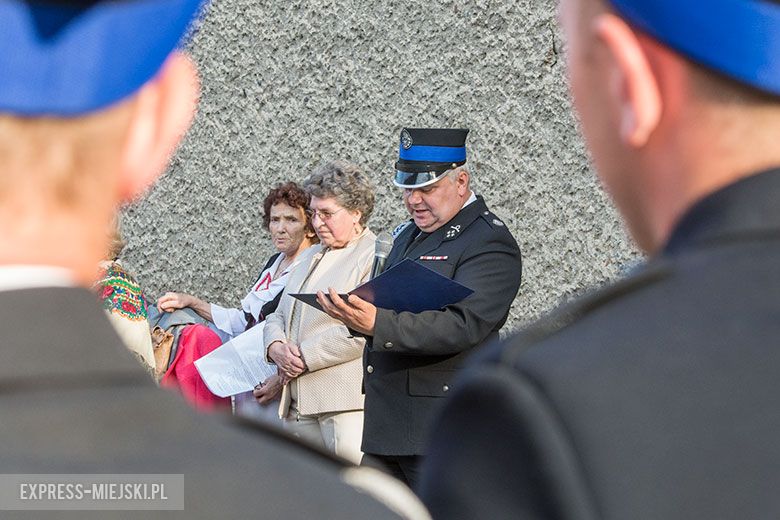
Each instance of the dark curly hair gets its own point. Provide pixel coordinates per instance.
(292, 195)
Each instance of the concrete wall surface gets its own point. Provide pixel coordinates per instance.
(287, 85)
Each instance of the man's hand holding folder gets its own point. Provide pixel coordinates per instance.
(354, 312)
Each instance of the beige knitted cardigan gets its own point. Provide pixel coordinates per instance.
(333, 381)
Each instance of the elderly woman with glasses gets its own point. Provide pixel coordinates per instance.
(317, 357)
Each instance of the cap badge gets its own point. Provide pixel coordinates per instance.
(406, 139)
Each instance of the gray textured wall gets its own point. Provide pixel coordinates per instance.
(287, 85)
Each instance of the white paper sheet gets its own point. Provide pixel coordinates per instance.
(238, 365)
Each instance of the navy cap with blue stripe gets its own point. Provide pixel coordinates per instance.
(67, 58)
(425, 154)
(737, 38)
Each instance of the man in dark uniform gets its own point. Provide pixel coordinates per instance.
(656, 397)
(411, 359)
(93, 98)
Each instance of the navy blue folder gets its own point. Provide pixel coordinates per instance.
(407, 286)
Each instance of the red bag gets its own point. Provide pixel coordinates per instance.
(195, 342)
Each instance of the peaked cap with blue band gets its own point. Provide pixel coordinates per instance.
(425, 154)
(738, 38)
(66, 58)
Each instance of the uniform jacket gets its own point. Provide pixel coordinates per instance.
(654, 398)
(73, 400)
(410, 361)
(332, 354)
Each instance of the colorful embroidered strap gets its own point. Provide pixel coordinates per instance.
(121, 294)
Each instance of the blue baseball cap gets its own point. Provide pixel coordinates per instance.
(426, 154)
(66, 58)
(738, 38)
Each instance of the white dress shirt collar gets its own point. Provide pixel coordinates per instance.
(13, 277)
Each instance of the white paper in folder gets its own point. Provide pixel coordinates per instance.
(238, 365)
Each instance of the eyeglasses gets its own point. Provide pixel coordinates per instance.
(323, 215)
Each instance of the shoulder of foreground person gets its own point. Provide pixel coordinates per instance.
(652, 398)
(498, 432)
(77, 403)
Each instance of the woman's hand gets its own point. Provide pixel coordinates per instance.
(172, 301)
(288, 358)
(268, 390)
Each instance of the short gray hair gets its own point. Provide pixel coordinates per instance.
(453, 173)
(345, 182)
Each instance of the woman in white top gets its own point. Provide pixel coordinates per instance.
(291, 231)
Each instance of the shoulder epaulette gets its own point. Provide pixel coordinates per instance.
(492, 220)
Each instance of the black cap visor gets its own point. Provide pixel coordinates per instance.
(410, 174)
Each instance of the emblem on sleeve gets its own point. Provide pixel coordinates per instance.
(399, 228)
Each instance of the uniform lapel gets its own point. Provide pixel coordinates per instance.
(426, 245)
(400, 244)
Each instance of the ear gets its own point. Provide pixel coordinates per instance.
(462, 181)
(632, 80)
(162, 112)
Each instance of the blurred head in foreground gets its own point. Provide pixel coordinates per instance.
(94, 98)
(676, 100)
